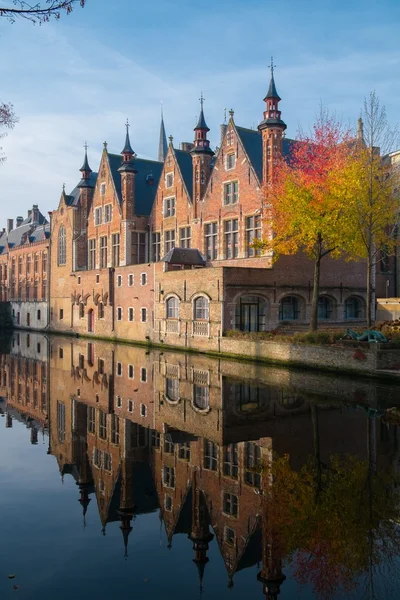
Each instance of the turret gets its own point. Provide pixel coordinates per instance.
(201, 158)
(200, 534)
(128, 172)
(162, 144)
(271, 128)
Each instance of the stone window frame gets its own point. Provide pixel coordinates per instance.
(119, 313)
(119, 280)
(119, 401)
(119, 369)
(108, 209)
(103, 188)
(131, 368)
(143, 370)
(228, 196)
(185, 237)
(228, 158)
(169, 179)
(143, 308)
(131, 308)
(131, 405)
(230, 512)
(143, 278)
(169, 207)
(143, 410)
(98, 216)
(131, 280)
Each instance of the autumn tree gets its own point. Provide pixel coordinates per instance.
(39, 12)
(309, 195)
(374, 217)
(7, 121)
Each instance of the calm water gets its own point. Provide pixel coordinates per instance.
(127, 473)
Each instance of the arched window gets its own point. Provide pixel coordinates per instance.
(62, 247)
(201, 308)
(353, 308)
(289, 309)
(325, 307)
(250, 313)
(201, 397)
(172, 307)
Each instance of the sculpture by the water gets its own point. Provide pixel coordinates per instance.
(370, 335)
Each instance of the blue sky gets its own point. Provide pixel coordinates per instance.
(80, 78)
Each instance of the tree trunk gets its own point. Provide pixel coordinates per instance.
(315, 296)
(369, 291)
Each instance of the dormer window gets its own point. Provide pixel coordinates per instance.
(102, 189)
(230, 161)
(169, 180)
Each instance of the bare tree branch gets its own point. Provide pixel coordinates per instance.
(41, 12)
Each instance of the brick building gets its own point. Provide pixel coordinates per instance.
(162, 250)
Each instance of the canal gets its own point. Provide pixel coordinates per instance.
(130, 473)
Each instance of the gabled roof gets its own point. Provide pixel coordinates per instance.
(73, 198)
(185, 164)
(252, 143)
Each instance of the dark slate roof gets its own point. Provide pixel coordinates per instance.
(272, 92)
(127, 148)
(85, 166)
(42, 219)
(252, 143)
(73, 198)
(145, 192)
(201, 123)
(185, 164)
(184, 256)
(25, 233)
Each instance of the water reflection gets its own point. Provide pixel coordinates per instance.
(290, 470)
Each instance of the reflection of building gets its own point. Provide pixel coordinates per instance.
(198, 450)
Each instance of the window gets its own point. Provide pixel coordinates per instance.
(169, 207)
(61, 314)
(119, 280)
(201, 308)
(102, 424)
(172, 307)
(185, 235)
(143, 279)
(28, 264)
(97, 278)
(138, 250)
(36, 267)
(81, 361)
(97, 458)
(155, 246)
(101, 310)
(119, 402)
(102, 189)
(100, 366)
(155, 439)
(168, 503)
(230, 161)
(211, 241)
(169, 180)
(39, 315)
(231, 233)
(61, 353)
(143, 375)
(81, 310)
(253, 464)
(131, 371)
(210, 455)
(172, 389)
(131, 314)
(90, 354)
(143, 410)
(119, 313)
(201, 397)
(62, 247)
(44, 262)
(253, 232)
(143, 315)
(107, 461)
(230, 504)
(184, 451)
(115, 249)
(79, 280)
(169, 446)
(119, 369)
(231, 462)
(103, 252)
(169, 477)
(169, 240)
(20, 265)
(114, 429)
(98, 213)
(130, 406)
(131, 280)
(61, 422)
(231, 192)
(107, 213)
(91, 419)
(229, 536)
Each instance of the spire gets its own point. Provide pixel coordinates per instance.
(127, 152)
(360, 130)
(272, 92)
(126, 529)
(84, 501)
(86, 171)
(201, 143)
(162, 144)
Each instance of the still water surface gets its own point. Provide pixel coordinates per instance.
(128, 473)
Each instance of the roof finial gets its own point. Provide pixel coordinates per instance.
(201, 100)
(86, 147)
(231, 113)
(171, 139)
(224, 115)
(63, 188)
(127, 125)
(272, 66)
(105, 145)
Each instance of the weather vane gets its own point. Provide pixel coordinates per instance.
(272, 67)
(202, 100)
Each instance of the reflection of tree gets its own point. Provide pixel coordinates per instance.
(338, 523)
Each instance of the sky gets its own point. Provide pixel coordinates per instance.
(78, 79)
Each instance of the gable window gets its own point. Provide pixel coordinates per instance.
(115, 240)
(98, 213)
(253, 232)
(169, 240)
(230, 161)
(131, 314)
(169, 180)
(201, 308)
(155, 246)
(169, 477)
(62, 247)
(107, 213)
(231, 234)
(102, 189)
(138, 249)
(211, 240)
(230, 504)
(229, 536)
(92, 254)
(231, 192)
(172, 308)
(103, 252)
(231, 461)
(185, 235)
(169, 207)
(210, 455)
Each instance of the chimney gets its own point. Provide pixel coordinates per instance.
(223, 129)
(29, 213)
(35, 214)
(187, 146)
(19, 221)
(10, 225)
